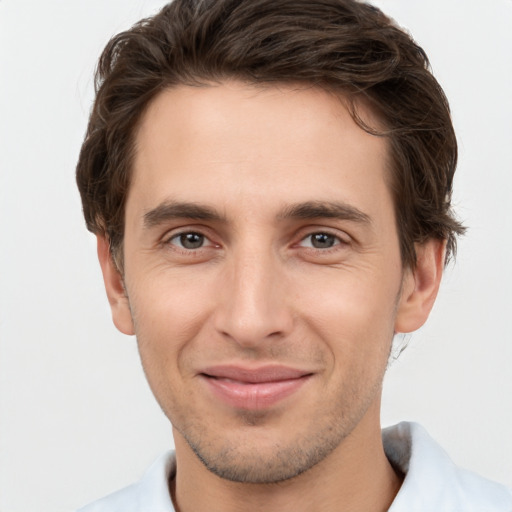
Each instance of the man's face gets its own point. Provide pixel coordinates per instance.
(262, 273)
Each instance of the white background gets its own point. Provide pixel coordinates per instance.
(77, 418)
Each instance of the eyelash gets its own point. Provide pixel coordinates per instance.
(169, 241)
(337, 242)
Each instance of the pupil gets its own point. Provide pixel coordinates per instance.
(191, 240)
(322, 240)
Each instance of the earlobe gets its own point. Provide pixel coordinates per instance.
(117, 298)
(420, 286)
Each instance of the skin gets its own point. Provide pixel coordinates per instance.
(231, 256)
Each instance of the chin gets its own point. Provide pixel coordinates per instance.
(263, 459)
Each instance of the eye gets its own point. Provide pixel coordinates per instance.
(190, 240)
(320, 241)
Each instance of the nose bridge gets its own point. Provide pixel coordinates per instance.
(253, 306)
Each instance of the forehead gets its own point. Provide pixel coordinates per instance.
(266, 146)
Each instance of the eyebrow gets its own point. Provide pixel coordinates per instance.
(170, 210)
(325, 210)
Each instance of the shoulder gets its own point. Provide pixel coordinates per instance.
(432, 481)
(149, 493)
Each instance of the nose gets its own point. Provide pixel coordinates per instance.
(253, 306)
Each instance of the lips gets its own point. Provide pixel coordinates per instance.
(253, 388)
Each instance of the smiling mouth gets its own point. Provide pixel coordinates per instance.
(253, 389)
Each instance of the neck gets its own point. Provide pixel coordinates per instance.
(356, 476)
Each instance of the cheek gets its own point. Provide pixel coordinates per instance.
(168, 312)
(354, 315)
(166, 298)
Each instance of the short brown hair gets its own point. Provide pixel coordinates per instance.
(343, 46)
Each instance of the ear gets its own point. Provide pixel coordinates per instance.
(119, 304)
(420, 286)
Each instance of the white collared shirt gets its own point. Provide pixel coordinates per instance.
(432, 481)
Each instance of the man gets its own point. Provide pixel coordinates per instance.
(270, 186)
